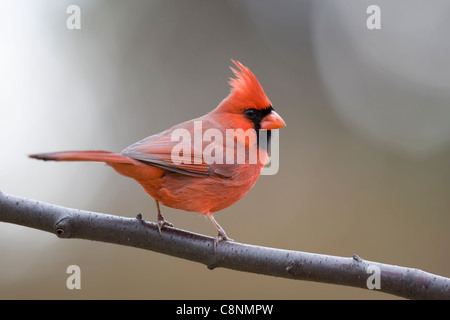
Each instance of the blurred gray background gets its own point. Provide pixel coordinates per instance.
(364, 159)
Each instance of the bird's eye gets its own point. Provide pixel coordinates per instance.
(250, 113)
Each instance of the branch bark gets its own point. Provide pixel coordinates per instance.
(135, 232)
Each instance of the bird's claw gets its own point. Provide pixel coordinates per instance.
(163, 223)
(221, 237)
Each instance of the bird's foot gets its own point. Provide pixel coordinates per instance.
(163, 223)
(222, 236)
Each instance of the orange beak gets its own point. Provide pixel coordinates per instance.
(272, 121)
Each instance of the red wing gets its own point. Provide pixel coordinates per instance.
(157, 150)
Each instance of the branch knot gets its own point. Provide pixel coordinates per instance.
(63, 227)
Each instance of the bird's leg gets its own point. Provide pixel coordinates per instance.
(221, 235)
(161, 221)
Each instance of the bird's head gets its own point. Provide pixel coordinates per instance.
(247, 105)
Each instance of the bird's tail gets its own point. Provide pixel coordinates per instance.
(98, 156)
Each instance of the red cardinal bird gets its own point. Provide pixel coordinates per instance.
(195, 184)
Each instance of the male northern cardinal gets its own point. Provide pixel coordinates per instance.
(196, 184)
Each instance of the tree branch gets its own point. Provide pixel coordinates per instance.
(135, 232)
